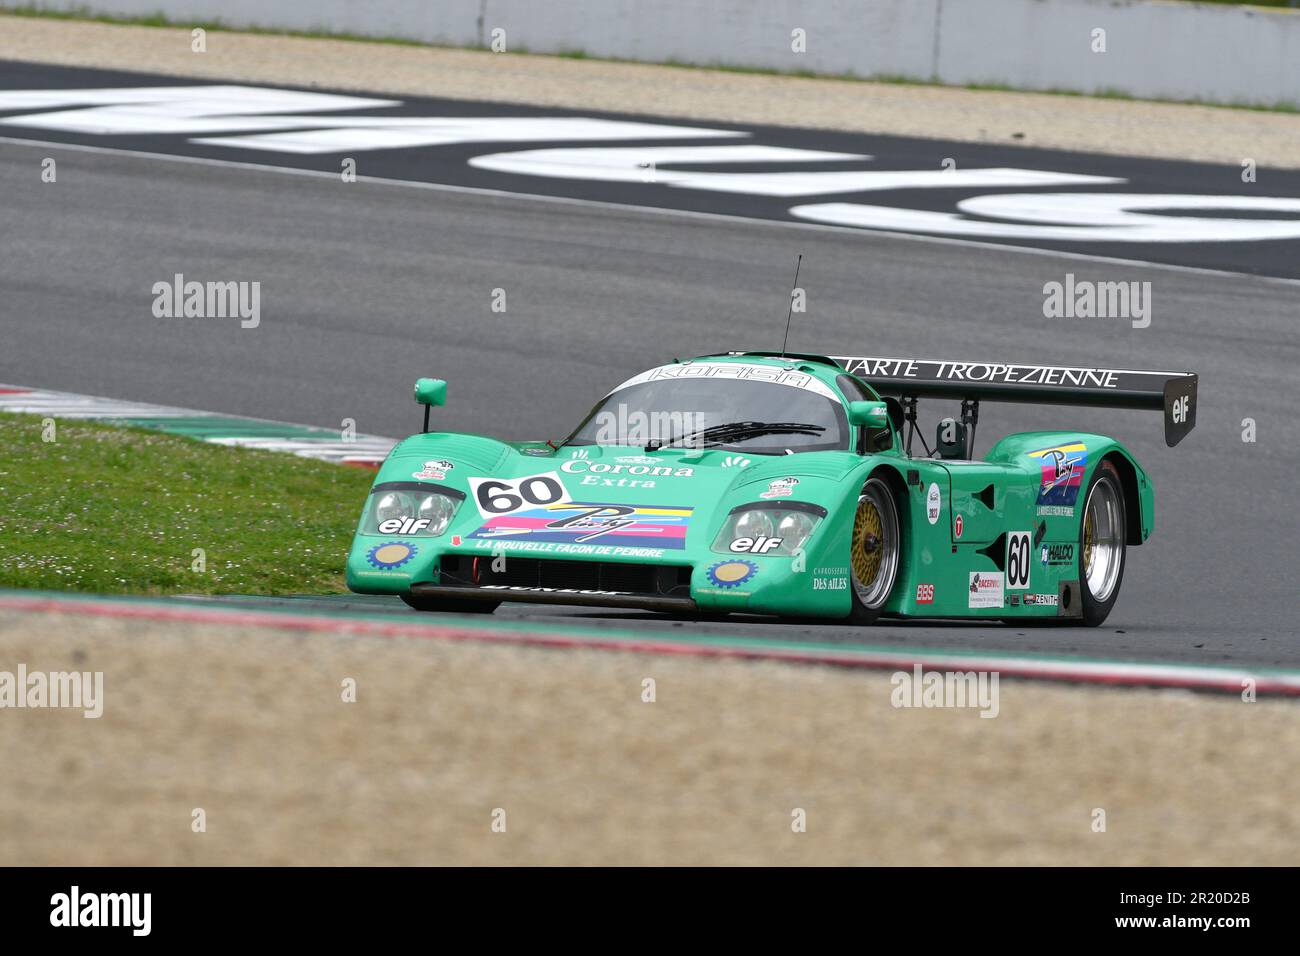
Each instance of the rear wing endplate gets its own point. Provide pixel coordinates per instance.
(1172, 392)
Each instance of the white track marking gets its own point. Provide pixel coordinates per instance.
(1076, 217)
(862, 234)
(641, 164)
(366, 449)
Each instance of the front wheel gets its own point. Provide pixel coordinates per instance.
(448, 606)
(874, 551)
(1101, 545)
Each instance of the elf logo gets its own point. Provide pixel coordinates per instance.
(1179, 411)
(406, 526)
(760, 545)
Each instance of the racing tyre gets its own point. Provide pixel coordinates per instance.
(421, 603)
(1101, 544)
(875, 549)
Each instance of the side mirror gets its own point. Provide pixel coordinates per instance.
(431, 391)
(870, 414)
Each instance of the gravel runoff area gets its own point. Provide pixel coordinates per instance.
(250, 726)
(1121, 127)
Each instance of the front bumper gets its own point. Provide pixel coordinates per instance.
(567, 596)
(694, 584)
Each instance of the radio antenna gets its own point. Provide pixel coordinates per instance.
(790, 310)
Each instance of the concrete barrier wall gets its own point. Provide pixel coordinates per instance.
(1153, 48)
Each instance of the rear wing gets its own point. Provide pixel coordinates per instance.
(1172, 392)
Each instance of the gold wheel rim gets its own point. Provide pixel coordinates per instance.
(868, 530)
(1089, 526)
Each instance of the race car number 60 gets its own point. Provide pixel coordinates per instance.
(495, 496)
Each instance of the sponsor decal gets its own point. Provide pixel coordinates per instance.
(931, 371)
(824, 583)
(582, 522)
(1057, 554)
(731, 574)
(1055, 511)
(780, 488)
(933, 504)
(735, 461)
(985, 589)
(585, 550)
(537, 451)
(455, 540)
(759, 545)
(1018, 562)
(404, 525)
(830, 579)
(434, 470)
(1062, 474)
(541, 590)
(391, 554)
(630, 471)
(925, 594)
(733, 370)
(958, 526)
(1042, 600)
(578, 453)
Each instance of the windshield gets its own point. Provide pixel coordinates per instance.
(699, 409)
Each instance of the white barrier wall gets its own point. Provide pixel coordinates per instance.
(1153, 48)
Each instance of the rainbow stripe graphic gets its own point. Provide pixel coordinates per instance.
(593, 522)
(1063, 467)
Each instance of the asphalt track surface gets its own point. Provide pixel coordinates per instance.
(366, 286)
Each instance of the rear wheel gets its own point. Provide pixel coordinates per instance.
(1101, 544)
(446, 606)
(874, 551)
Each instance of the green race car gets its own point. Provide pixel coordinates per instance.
(778, 483)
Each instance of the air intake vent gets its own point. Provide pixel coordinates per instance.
(997, 551)
(464, 570)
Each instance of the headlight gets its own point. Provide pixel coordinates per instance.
(752, 529)
(753, 524)
(409, 512)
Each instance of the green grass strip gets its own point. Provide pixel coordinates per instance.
(117, 510)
